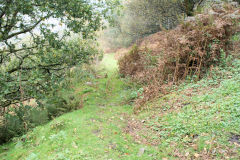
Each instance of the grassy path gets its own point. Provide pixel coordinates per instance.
(93, 132)
(198, 120)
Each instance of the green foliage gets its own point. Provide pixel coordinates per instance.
(196, 120)
(20, 120)
(135, 94)
(58, 125)
(56, 106)
(61, 99)
(61, 103)
(197, 113)
(236, 37)
(37, 54)
(75, 135)
(36, 48)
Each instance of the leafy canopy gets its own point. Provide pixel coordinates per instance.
(35, 51)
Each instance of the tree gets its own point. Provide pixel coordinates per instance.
(141, 18)
(34, 49)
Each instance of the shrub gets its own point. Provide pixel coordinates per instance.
(126, 65)
(20, 120)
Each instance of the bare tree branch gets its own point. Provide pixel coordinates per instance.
(21, 49)
(27, 29)
(199, 3)
(8, 2)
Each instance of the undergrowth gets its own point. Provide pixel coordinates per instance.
(170, 57)
(93, 132)
(24, 117)
(197, 120)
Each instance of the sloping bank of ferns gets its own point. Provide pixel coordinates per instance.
(191, 50)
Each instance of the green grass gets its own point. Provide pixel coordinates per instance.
(199, 118)
(194, 121)
(109, 63)
(93, 132)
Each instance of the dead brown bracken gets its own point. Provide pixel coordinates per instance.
(168, 57)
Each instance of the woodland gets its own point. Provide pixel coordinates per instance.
(119, 79)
